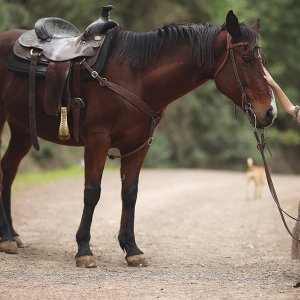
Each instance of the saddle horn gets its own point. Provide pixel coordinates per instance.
(101, 25)
(106, 10)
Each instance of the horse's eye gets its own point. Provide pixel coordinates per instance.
(247, 59)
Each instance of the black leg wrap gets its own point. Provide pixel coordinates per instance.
(130, 195)
(91, 198)
(126, 236)
(6, 198)
(5, 232)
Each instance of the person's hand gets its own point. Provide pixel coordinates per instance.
(287, 105)
(297, 114)
(269, 78)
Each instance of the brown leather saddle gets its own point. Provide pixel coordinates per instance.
(59, 46)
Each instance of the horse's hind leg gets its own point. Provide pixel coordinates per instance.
(7, 244)
(130, 169)
(19, 145)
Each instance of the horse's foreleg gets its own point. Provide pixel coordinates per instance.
(130, 169)
(18, 147)
(94, 158)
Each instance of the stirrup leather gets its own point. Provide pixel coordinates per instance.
(63, 131)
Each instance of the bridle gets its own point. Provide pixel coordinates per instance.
(246, 105)
(259, 134)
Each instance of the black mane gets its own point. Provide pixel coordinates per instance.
(141, 48)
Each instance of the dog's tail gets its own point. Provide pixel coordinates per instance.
(250, 163)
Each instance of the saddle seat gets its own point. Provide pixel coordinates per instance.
(55, 28)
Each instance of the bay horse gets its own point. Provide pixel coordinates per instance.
(158, 67)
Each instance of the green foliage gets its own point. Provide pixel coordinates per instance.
(288, 138)
(12, 15)
(200, 130)
(48, 156)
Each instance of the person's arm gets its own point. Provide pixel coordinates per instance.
(282, 97)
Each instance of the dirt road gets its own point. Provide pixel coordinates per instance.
(202, 238)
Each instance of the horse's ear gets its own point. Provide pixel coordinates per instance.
(256, 26)
(233, 26)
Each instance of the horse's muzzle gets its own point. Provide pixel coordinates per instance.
(272, 111)
(270, 116)
(268, 120)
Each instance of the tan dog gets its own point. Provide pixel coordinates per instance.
(257, 175)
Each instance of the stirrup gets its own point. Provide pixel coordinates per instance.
(63, 131)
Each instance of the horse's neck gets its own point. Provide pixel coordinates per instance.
(171, 77)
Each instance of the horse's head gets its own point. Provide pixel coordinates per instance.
(239, 72)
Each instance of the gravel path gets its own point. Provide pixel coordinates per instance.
(201, 236)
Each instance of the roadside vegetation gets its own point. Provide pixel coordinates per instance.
(200, 130)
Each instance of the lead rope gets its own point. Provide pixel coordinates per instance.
(261, 144)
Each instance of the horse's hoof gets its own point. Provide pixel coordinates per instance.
(87, 261)
(137, 260)
(20, 244)
(9, 247)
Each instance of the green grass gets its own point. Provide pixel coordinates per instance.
(23, 180)
(37, 178)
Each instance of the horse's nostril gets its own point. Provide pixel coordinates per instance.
(270, 114)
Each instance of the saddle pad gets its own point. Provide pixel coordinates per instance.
(21, 66)
(61, 49)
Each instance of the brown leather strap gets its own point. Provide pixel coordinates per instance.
(32, 117)
(147, 143)
(126, 94)
(76, 105)
(76, 92)
(261, 146)
(55, 80)
(134, 100)
(77, 102)
(228, 47)
(222, 64)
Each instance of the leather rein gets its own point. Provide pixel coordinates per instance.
(259, 134)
